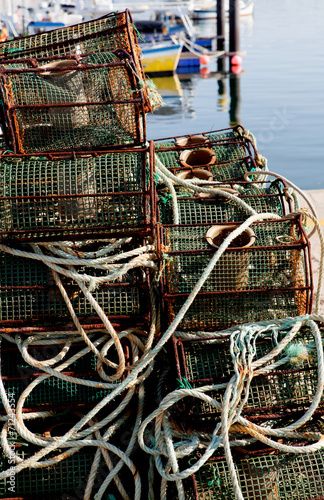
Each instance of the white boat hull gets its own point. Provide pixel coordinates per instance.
(209, 12)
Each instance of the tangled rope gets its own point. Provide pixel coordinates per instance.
(235, 394)
(124, 379)
(62, 259)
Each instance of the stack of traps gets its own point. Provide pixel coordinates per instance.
(74, 167)
(265, 274)
(76, 164)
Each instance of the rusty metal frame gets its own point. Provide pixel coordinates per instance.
(7, 110)
(147, 229)
(303, 245)
(124, 23)
(263, 413)
(250, 147)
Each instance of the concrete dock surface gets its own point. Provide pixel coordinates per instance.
(316, 196)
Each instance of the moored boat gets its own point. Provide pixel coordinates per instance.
(161, 57)
(207, 9)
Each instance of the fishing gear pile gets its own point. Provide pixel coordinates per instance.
(158, 334)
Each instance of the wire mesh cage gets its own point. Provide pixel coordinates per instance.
(60, 480)
(220, 171)
(29, 294)
(289, 387)
(111, 32)
(226, 154)
(203, 208)
(75, 196)
(79, 102)
(265, 476)
(202, 139)
(52, 392)
(264, 274)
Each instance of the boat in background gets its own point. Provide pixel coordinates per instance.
(206, 9)
(161, 58)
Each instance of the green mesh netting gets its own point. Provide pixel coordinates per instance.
(111, 32)
(233, 154)
(217, 312)
(81, 108)
(280, 476)
(195, 210)
(28, 292)
(287, 387)
(52, 392)
(67, 477)
(269, 279)
(234, 134)
(98, 193)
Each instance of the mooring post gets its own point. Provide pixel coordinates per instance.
(220, 25)
(235, 99)
(234, 27)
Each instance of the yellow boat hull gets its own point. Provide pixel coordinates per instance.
(161, 59)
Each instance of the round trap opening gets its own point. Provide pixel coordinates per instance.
(217, 234)
(197, 157)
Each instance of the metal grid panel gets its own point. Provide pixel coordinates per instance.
(261, 269)
(228, 134)
(97, 193)
(95, 104)
(14, 366)
(280, 476)
(111, 32)
(52, 392)
(276, 261)
(271, 279)
(28, 292)
(206, 362)
(227, 155)
(217, 312)
(63, 478)
(194, 210)
(271, 233)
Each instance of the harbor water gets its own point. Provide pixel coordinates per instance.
(278, 95)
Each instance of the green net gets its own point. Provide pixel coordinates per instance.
(196, 209)
(227, 154)
(230, 160)
(97, 193)
(52, 392)
(28, 293)
(111, 32)
(67, 477)
(263, 281)
(286, 388)
(184, 141)
(95, 103)
(280, 476)
(217, 312)
(231, 169)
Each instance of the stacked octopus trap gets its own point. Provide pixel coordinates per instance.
(77, 233)
(235, 271)
(157, 335)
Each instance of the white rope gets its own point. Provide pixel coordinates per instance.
(90, 432)
(230, 406)
(165, 173)
(295, 188)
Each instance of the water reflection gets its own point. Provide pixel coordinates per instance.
(179, 91)
(207, 27)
